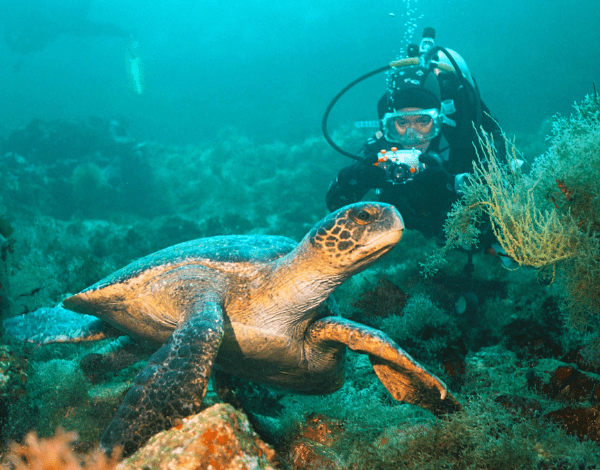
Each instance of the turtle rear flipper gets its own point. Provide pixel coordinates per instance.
(174, 382)
(404, 378)
(58, 325)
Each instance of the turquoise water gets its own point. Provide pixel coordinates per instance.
(269, 69)
(222, 136)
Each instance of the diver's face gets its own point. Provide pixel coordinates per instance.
(413, 127)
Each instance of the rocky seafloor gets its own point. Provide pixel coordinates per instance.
(80, 199)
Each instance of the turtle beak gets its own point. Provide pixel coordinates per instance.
(396, 222)
(390, 227)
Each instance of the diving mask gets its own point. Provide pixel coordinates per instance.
(412, 127)
(416, 126)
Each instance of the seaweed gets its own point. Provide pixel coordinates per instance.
(549, 219)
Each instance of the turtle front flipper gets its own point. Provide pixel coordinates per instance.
(404, 378)
(174, 382)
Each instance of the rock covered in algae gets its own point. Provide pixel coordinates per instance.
(220, 437)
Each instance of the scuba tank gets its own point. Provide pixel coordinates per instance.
(429, 55)
(468, 96)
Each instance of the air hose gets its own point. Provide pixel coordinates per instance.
(335, 100)
(398, 63)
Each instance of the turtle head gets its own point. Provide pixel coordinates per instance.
(355, 236)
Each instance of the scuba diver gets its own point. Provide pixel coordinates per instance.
(426, 142)
(424, 148)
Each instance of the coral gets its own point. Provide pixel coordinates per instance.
(385, 300)
(425, 331)
(6, 229)
(13, 374)
(578, 421)
(241, 186)
(68, 167)
(529, 338)
(483, 436)
(311, 447)
(548, 219)
(88, 186)
(419, 314)
(530, 234)
(266, 188)
(54, 454)
(56, 388)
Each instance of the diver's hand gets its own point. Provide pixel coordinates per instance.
(363, 174)
(374, 176)
(352, 183)
(434, 175)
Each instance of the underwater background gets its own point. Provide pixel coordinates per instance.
(269, 69)
(221, 135)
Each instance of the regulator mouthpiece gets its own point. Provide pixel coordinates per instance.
(428, 40)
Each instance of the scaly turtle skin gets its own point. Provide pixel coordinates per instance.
(249, 306)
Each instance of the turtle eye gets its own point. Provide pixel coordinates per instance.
(361, 217)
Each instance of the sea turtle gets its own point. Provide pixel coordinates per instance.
(249, 306)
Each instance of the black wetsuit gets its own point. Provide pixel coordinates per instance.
(424, 202)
